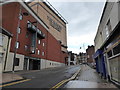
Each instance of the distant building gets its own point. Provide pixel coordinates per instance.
(72, 58)
(82, 58)
(90, 52)
(107, 43)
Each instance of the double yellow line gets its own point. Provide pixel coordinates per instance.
(14, 83)
(64, 81)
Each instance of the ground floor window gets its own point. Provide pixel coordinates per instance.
(17, 62)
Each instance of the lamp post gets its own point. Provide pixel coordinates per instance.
(17, 33)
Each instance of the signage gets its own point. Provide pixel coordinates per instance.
(54, 24)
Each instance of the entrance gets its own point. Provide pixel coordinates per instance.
(34, 64)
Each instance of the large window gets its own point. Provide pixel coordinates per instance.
(116, 50)
(109, 54)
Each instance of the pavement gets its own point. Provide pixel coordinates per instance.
(89, 78)
(10, 77)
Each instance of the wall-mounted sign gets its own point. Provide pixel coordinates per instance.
(54, 24)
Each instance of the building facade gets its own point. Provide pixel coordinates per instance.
(53, 19)
(90, 52)
(32, 47)
(83, 58)
(107, 43)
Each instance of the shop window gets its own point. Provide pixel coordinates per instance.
(109, 53)
(116, 50)
(17, 62)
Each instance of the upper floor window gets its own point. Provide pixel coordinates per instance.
(39, 41)
(38, 52)
(108, 28)
(43, 44)
(20, 16)
(42, 53)
(19, 30)
(17, 45)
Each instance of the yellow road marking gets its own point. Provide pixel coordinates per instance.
(14, 83)
(64, 81)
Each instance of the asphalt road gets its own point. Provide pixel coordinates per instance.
(46, 78)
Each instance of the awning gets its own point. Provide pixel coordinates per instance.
(97, 53)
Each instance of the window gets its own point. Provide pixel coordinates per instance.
(19, 29)
(17, 60)
(43, 44)
(109, 53)
(108, 28)
(26, 47)
(116, 50)
(20, 17)
(42, 53)
(38, 52)
(17, 45)
(38, 41)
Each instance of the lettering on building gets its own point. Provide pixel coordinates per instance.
(54, 24)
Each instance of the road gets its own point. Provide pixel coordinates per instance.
(46, 78)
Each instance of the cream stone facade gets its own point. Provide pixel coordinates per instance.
(55, 23)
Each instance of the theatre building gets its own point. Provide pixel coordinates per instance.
(33, 46)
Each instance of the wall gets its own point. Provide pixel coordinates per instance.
(43, 11)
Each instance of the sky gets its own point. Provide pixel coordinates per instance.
(83, 19)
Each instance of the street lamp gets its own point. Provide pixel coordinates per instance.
(18, 26)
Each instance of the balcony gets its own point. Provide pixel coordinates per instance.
(40, 34)
(31, 27)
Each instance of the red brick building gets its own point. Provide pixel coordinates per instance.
(36, 48)
(90, 51)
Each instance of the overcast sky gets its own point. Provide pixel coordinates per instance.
(83, 19)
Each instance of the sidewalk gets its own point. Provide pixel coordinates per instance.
(89, 78)
(9, 77)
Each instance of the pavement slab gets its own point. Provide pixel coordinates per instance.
(7, 77)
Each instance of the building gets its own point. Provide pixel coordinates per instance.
(5, 40)
(54, 21)
(107, 43)
(32, 47)
(90, 52)
(73, 59)
(83, 58)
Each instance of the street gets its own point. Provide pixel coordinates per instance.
(46, 78)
